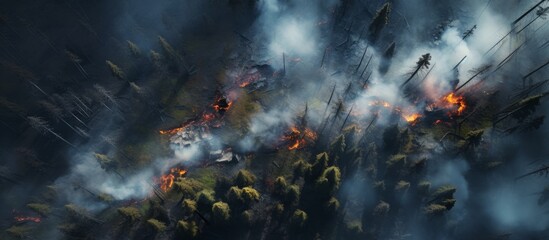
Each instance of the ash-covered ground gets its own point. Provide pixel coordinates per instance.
(274, 119)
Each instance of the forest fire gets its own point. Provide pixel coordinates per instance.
(207, 118)
(171, 131)
(248, 79)
(221, 104)
(166, 181)
(298, 139)
(27, 219)
(458, 101)
(411, 118)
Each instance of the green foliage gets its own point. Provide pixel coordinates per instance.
(278, 210)
(187, 229)
(474, 137)
(221, 212)
(168, 49)
(434, 210)
(104, 161)
(280, 187)
(155, 58)
(301, 168)
(350, 134)
(381, 209)
(424, 187)
(396, 161)
(334, 177)
(189, 205)
(354, 230)
(10, 106)
(446, 191)
(402, 186)
(244, 178)
(19, 231)
(234, 195)
(391, 141)
(116, 71)
(222, 185)
(240, 114)
(247, 217)
(130, 213)
(158, 226)
(449, 203)
(42, 209)
(77, 212)
(293, 195)
(188, 187)
(204, 200)
(69, 228)
(298, 219)
(379, 186)
(134, 49)
(250, 195)
(337, 149)
(320, 164)
(105, 197)
(332, 206)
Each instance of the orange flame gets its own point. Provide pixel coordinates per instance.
(408, 117)
(171, 131)
(221, 104)
(298, 138)
(454, 100)
(411, 118)
(29, 219)
(248, 79)
(218, 107)
(166, 181)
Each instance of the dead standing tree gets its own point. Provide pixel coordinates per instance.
(42, 126)
(58, 115)
(423, 62)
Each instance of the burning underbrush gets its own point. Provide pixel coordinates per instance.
(454, 105)
(444, 109)
(256, 77)
(298, 137)
(166, 181)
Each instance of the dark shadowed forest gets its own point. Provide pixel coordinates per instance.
(274, 119)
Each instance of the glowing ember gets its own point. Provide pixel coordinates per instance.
(166, 181)
(208, 117)
(28, 219)
(381, 103)
(248, 79)
(408, 117)
(298, 139)
(454, 100)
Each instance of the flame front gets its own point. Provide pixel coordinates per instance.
(411, 118)
(454, 100)
(166, 181)
(248, 79)
(298, 139)
(171, 131)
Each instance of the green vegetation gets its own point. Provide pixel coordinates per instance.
(158, 226)
(130, 213)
